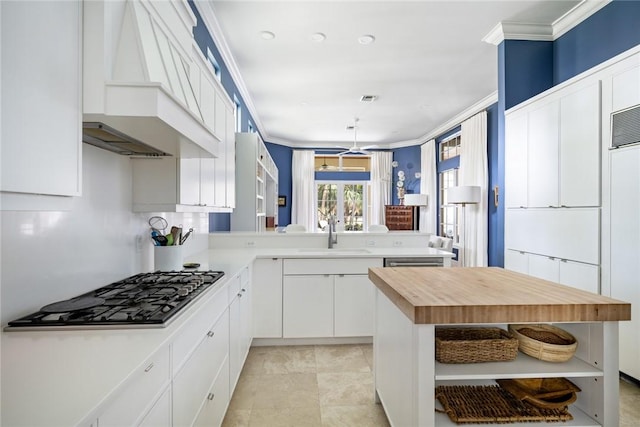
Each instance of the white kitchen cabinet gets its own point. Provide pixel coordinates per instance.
(544, 267)
(580, 147)
(192, 383)
(517, 261)
(225, 173)
(241, 324)
(256, 184)
(327, 297)
(143, 390)
(516, 135)
(160, 414)
(173, 184)
(543, 155)
(565, 272)
(215, 407)
(552, 150)
(41, 85)
(626, 89)
(567, 233)
(307, 306)
(353, 305)
(267, 297)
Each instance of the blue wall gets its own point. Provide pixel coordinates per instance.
(408, 159)
(611, 31)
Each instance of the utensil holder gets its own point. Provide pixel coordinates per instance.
(168, 258)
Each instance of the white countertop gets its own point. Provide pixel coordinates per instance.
(57, 378)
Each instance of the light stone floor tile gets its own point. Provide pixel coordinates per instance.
(341, 358)
(286, 417)
(280, 360)
(371, 415)
(345, 388)
(629, 405)
(329, 386)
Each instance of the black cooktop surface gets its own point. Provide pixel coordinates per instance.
(146, 299)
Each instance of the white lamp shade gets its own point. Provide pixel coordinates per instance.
(463, 194)
(415, 200)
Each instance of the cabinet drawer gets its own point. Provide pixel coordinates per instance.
(302, 266)
(197, 327)
(191, 384)
(234, 288)
(140, 391)
(215, 407)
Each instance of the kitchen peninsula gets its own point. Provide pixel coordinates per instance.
(411, 302)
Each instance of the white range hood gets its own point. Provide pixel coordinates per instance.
(138, 72)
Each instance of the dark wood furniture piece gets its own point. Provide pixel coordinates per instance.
(401, 217)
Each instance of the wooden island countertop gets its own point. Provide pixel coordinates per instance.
(489, 295)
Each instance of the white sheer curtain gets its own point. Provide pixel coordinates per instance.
(428, 186)
(303, 189)
(380, 184)
(474, 171)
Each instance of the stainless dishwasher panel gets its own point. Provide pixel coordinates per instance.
(414, 262)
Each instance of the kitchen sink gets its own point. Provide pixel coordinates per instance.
(336, 250)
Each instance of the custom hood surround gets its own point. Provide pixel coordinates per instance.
(142, 78)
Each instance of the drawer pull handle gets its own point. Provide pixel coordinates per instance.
(239, 295)
(211, 396)
(148, 368)
(244, 290)
(210, 333)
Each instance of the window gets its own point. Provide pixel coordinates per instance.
(448, 213)
(346, 200)
(238, 114)
(214, 64)
(450, 147)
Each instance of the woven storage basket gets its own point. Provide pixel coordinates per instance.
(545, 342)
(474, 345)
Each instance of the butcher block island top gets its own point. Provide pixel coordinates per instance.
(489, 295)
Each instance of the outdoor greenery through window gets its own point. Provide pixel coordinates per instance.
(346, 200)
(448, 213)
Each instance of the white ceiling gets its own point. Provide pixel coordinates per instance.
(428, 64)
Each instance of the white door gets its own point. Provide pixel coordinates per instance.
(267, 298)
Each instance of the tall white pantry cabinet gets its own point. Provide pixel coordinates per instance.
(571, 200)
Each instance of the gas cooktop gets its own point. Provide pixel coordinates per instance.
(143, 300)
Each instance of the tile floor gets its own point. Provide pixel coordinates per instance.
(329, 385)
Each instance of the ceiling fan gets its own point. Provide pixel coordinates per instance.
(354, 149)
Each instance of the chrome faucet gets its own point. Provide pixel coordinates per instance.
(333, 236)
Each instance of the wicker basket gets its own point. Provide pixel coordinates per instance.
(545, 342)
(474, 345)
(547, 393)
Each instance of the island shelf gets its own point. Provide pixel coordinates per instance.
(412, 302)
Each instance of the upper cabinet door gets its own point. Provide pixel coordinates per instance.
(580, 147)
(516, 135)
(41, 97)
(543, 155)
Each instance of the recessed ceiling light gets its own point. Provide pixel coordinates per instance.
(368, 98)
(318, 37)
(267, 35)
(366, 39)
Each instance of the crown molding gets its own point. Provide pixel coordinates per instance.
(518, 31)
(575, 16)
(212, 24)
(543, 32)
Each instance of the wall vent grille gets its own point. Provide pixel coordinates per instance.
(625, 127)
